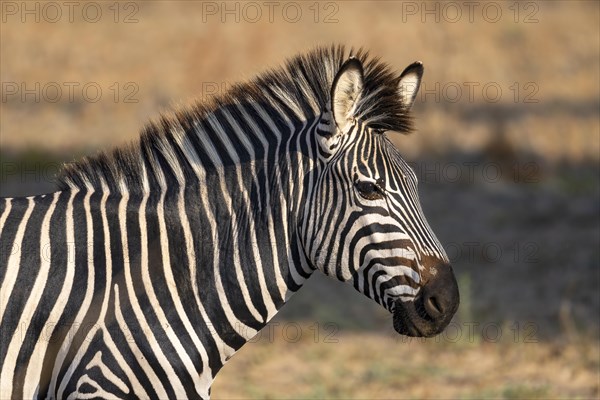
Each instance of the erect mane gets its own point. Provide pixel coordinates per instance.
(302, 85)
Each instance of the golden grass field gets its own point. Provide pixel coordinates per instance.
(377, 366)
(543, 125)
(172, 56)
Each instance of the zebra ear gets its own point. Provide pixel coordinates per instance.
(409, 82)
(345, 91)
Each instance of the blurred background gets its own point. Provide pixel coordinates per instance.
(506, 149)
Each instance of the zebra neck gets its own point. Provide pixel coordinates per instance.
(239, 225)
(207, 212)
(254, 260)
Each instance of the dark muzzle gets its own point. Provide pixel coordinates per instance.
(431, 311)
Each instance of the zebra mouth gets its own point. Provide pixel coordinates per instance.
(410, 319)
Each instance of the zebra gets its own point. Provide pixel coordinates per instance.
(153, 263)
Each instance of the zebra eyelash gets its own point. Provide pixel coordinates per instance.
(370, 190)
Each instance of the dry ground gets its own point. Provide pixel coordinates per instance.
(371, 366)
(543, 132)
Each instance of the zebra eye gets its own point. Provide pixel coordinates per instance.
(370, 190)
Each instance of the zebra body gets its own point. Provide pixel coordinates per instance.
(153, 265)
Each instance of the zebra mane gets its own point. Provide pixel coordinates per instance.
(302, 85)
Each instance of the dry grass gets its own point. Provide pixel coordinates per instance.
(371, 366)
(173, 56)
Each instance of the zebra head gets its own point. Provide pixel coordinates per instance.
(364, 224)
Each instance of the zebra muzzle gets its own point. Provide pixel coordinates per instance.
(432, 310)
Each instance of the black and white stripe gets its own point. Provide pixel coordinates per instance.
(152, 265)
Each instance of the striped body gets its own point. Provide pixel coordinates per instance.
(152, 266)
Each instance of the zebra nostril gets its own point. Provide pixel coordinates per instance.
(432, 306)
(440, 295)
